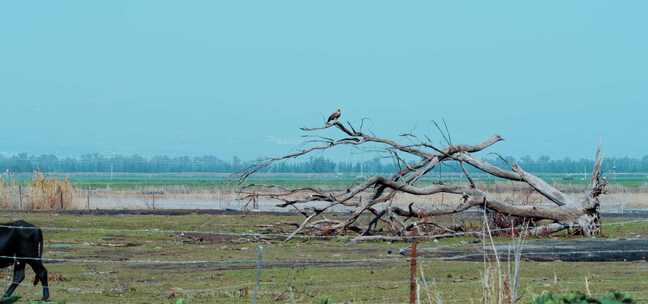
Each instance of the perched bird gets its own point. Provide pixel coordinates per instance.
(334, 117)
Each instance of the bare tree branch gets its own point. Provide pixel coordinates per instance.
(370, 196)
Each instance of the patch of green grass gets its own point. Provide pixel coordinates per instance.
(581, 298)
(619, 228)
(10, 300)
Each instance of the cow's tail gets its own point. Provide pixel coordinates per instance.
(39, 252)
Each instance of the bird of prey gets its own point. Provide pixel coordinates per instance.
(334, 117)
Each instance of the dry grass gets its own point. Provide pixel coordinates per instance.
(4, 194)
(49, 193)
(43, 193)
(500, 282)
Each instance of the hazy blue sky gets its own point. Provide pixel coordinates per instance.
(239, 77)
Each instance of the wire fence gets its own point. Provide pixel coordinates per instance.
(270, 235)
(338, 278)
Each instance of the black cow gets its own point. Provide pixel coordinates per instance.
(22, 243)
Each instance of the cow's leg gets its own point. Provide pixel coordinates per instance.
(18, 276)
(41, 275)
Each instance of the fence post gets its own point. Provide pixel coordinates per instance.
(20, 203)
(88, 201)
(259, 265)
(413, 272)
(61, 196)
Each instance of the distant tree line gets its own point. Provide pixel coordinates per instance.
(24, 162)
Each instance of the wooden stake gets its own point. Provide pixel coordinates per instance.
(61, 197)
(20, 203)
(413, 272)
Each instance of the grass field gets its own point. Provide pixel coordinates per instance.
(119, 259)
(125, 181)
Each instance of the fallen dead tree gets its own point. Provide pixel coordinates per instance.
(374, 196)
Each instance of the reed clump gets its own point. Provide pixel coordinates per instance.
(4, 194)
(50, 193)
